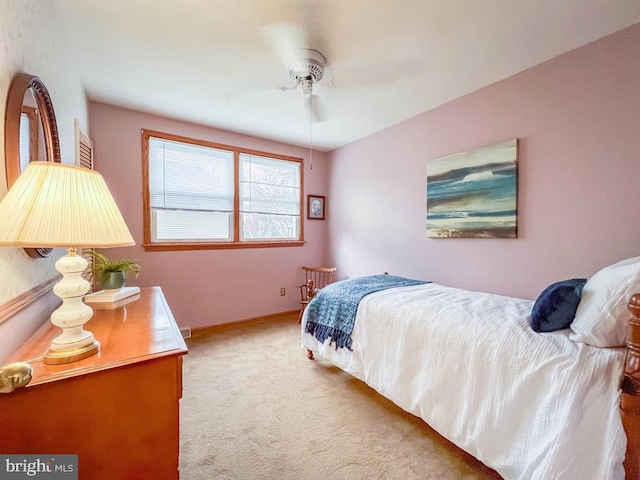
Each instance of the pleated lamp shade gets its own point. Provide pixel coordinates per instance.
(57, 205)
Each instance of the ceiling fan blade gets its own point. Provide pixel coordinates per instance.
(363, 71)
(318, 112)
(287, 41)
(316, 109)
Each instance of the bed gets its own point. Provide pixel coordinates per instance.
(529, 404)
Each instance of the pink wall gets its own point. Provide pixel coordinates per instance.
(204, 287)
(578, 121)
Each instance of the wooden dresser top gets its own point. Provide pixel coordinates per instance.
(135, 329)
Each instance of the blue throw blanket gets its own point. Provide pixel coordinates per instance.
(332, 312)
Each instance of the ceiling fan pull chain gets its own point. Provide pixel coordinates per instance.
(310, 132)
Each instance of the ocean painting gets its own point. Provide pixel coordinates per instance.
(474, 194)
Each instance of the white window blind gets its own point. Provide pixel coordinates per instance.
(269, 198)
(25, 141)
(191, 191)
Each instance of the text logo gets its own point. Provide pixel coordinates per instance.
(45, 466)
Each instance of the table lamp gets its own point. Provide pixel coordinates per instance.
(57, 205)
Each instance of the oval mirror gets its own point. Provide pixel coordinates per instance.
(31, 132)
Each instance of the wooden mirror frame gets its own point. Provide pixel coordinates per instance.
(22, 83)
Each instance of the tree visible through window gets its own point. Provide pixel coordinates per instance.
(269, 198)
(204, 195)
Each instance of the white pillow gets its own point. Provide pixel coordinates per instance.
(602, 315)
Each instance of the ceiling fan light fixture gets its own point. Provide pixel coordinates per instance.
(312, 66)
(306, 85)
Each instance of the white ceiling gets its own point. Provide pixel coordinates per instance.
(209, 61)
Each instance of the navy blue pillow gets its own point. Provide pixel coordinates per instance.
(556, 306)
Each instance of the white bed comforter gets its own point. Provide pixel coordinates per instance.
(531, 406)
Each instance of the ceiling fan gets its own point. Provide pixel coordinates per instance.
(305, 66)
(305, 76)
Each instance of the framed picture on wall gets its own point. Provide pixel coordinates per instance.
(473, 194)
(315, 207)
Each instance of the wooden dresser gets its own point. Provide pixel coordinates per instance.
(118, 410)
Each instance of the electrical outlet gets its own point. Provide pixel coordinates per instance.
(283, 292)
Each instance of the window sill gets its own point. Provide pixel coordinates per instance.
(164, 247)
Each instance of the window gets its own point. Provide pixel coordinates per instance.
(204, 195)
(269, 198)
(28, 136)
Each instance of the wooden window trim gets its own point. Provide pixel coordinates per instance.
(151, 246)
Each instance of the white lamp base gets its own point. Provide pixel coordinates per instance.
(74, 343)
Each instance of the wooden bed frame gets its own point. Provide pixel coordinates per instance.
(630, 397)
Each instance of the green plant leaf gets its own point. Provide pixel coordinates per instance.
(102, 265)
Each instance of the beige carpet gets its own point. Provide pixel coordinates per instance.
(254, 407)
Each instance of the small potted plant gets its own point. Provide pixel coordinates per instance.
(112, 274)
